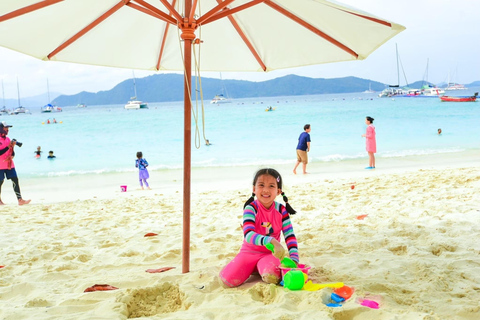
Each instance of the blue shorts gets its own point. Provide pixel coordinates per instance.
(9, 173)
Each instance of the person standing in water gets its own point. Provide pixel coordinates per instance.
(371, 142)
(38, 153)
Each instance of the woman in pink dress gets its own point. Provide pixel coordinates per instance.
(371, 142)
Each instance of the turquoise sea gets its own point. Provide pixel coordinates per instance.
(99, 139)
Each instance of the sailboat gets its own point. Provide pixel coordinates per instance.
(369, 89)
(4, 108)
(453, 85)
(395, 90)
(49, 107)
(20, 109)
(220, 98)
(428, 90)
(134, 103)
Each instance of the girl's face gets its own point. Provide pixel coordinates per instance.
(266, 190)
(367, 122)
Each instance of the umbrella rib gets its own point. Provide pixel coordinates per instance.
(227, 12)
(213, 11)
(88, 28)
(171, 8)
(385, 23)
(311, 28)
(157, 14)
(148, 9)
(164, 39)
(28, 9)
(247, 42)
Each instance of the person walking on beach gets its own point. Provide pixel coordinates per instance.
(142, 165)
(264, 220)
(371, 142)
(302, 148)
(7, 167)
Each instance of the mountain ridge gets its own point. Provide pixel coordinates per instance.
(169, 88)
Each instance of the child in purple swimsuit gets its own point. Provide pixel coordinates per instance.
(264, 220)
(142, 165)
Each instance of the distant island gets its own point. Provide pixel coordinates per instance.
(169, 87)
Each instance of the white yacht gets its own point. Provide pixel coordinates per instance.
(136, 104)
(219, 99)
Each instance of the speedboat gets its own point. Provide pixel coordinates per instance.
(459, 99)
(136, 104)
(220, 98)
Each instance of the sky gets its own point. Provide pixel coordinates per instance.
(442, 33)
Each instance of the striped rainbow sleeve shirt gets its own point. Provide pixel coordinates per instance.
(249, 215)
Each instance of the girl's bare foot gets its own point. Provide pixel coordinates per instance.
(1, 203)
(21, 202)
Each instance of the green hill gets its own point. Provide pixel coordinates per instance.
(169, 87)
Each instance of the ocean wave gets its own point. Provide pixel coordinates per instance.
(214, 162)
(421, 152)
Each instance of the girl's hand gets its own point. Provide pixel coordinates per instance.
(278, 250)
(364, 135)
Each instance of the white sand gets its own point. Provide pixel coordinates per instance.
(417, 249)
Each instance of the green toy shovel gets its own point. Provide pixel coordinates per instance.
(286, 262)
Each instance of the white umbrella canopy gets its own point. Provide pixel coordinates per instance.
(129, 37)
(227, 35)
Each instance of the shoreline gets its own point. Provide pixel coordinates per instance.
(48, 190)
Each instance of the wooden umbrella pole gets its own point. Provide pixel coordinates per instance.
(188, 35)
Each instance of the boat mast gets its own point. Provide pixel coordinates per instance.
(3, 95)
(18, 94)
(223, 86)
(48, 92)
(398, 70)
(134, 86)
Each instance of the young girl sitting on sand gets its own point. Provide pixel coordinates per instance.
(263, 221)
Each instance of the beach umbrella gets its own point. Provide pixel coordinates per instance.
(221, 35)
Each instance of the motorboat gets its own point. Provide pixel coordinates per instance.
(136, 104)
(459, 99)
(219, 99)
(431, 91)
(81, 105)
